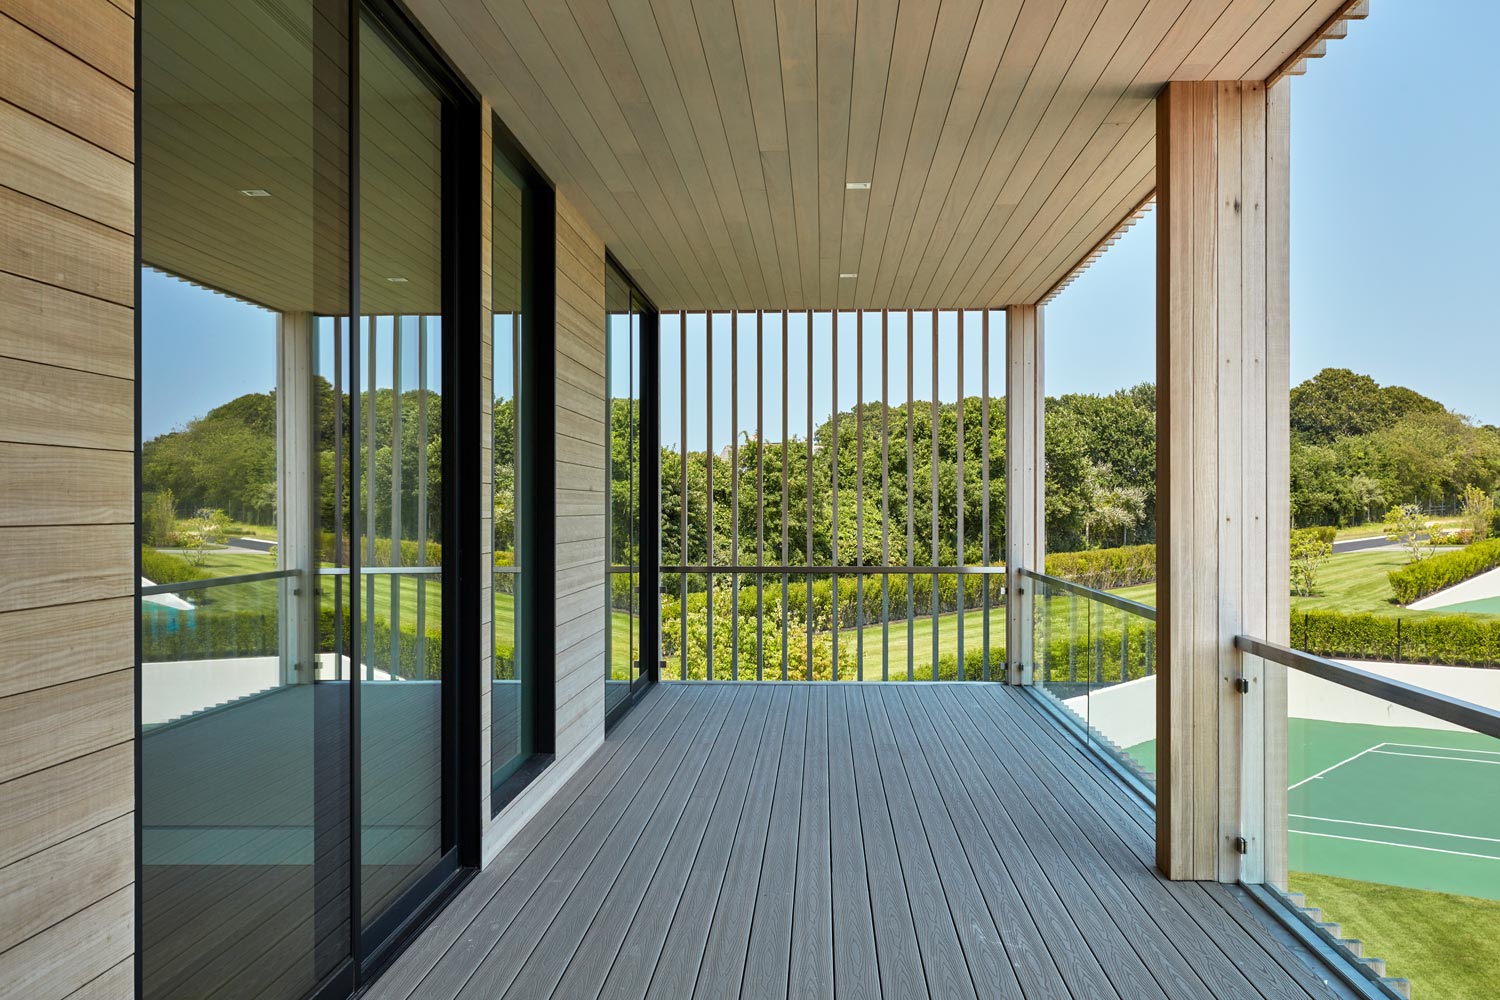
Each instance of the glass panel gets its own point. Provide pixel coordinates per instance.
(1095, 653)
(622, 359)
(1394, 826)
(398, 496)
(244, 879)
(512, 683)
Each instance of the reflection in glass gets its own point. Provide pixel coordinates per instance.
(622, 354)
(512, 685)
(398, 489)
(243, 742)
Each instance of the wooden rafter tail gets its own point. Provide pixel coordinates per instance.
(1316, 45)
(1110, 239)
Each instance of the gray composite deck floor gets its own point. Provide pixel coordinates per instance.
(853, 840)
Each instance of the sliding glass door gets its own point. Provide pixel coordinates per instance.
(298, 787)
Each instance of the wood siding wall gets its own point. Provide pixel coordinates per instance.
(580, 441)
(67, 485)
(1222, 474)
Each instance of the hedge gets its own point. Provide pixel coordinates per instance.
(164, 567)
(1453, 640)
(209, 634)
(1428, 576)
(1105, 569)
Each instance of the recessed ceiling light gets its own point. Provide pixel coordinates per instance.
(399, 281)
(857, 186)
(849, 274)
(255, 192)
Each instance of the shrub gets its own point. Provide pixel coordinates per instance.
(1105, 569)
(1457, 640)
(1416, 580)
(164, 567)
(1309, 551)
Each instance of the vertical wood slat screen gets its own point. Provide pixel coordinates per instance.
(822, 605)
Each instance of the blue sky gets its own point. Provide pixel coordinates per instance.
(1395, 140)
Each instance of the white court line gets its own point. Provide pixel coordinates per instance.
(1388, 843)
(1423, 746)
(1336, 766)
(1434, 756)
(1403, 829)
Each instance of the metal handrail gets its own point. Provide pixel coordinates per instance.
(1145, 611)
(382, 570)
(217, 581)
(1485, 721)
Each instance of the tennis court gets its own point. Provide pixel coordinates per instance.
(1404, 806)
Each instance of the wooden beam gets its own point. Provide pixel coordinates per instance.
(1025, 507)
(1222, 515)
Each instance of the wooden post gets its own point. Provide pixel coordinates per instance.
(1222, 478)
(296, 497)
(1025, 468)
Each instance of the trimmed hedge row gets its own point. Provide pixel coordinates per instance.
(1105, 569)
(209, 634)
(1452, 640)
(1428, 576)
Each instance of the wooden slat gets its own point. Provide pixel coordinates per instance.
(56, 883)
(54, 645)
(46, 807)
(75, 953)
(44, 79)
(41, 160)
(47, 244)
(65, 486)
(64, 565)
(82, 332)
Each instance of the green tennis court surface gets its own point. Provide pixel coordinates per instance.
(1483, 606)
(1410, 807)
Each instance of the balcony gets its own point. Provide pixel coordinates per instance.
(895, 840)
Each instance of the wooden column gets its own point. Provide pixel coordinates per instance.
(1025, 472)
(296, 497)
(1223, 515)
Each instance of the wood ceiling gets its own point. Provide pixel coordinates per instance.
(710, 141)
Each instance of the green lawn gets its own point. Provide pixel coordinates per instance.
(1446, 945)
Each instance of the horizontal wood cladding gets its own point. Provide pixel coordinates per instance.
(71, 564)
(82, 953)
(47, 244)
(65, 485)
(54, 645)
(82, 333)
(67, 459)
(56, 883)
(46, 807)
(53, 725)
(41, 76)
(61, 406)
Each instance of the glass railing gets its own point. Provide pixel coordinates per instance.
(1094, 655)
(798, 623)
(1393, 817)
(209, 643)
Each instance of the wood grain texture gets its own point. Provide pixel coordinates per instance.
(1222, 384)
(710, 143)
(67, 444)
(1000, 860)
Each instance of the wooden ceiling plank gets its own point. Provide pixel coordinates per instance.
(639, 30)
(796, 30)
(1064, 71)
(945, 63)
(1162, 32)
(1113, 204)
(587, 42)
(726, 67)
(1062, 140)
(1045, 50)
(1066, 203)
(533, 52)
(683, 38)
(1256, 37)
(1290, 40)
(761, 54)
(975, 117)
(875, 35)
(835, 76)
(916, 22)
